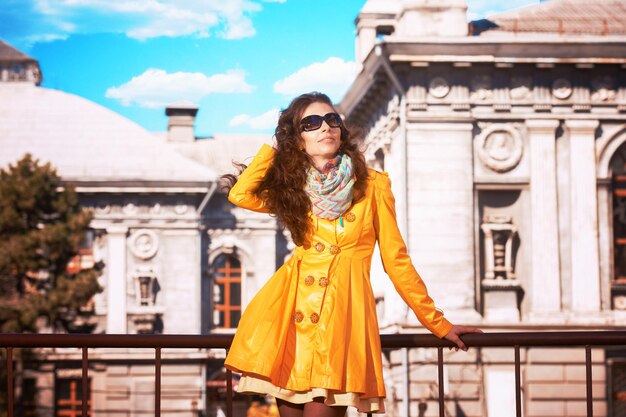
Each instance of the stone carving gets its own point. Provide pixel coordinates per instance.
(500, 147)
(520, 88)
(498, 235)
(603, 89)
(106, 209)
(481, 88)
(146, 287)
(561, 88)
(148, 323)
(130, 208)
(438, 87)
(144, 243)
(156, 209)
(181, 208)
(619, 302)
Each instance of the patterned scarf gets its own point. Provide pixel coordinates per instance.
(330, 190)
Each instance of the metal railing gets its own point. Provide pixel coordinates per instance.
(585, 340)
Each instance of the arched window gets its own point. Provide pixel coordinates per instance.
(618, 185)
(226, 291)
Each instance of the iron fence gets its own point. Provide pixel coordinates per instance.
(517, 340)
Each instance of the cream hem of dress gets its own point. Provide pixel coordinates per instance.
(251, 385)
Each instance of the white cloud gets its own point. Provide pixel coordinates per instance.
(332, 77)
(156, 88)
(267, 120)
(142, 19)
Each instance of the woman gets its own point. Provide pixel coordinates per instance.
(310, 336)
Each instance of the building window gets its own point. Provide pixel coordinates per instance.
(618, 183)
(29, 398)
(226, 291)
(68, 397)
(84, 259)
(617, 387)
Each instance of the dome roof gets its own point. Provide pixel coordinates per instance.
(85, 141)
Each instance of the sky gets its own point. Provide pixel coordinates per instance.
(240, 61)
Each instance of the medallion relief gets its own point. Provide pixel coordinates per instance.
(144, 243)
(438, 87)
(561, 88)
(499, 147)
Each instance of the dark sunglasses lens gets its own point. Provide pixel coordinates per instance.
(333, 119)
(312, 122)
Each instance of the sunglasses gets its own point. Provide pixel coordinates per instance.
(314, 122)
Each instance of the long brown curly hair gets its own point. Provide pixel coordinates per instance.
(282, 188)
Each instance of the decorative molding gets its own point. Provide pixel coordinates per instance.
(603, 89)
(103, 209)
(481, 90)
(230, 241)
(130, 208)
(498, 235)
(181, 209)
(521, 88)
(146, 287)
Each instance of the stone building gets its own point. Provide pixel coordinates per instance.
(504, 140)
(179, 259)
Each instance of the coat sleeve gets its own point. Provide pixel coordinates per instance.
(243, 192)
(397, 262)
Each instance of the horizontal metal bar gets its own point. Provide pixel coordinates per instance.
(116, 341)
(522, 339)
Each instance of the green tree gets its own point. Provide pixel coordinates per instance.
(42, 228)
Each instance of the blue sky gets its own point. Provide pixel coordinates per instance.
(239, 60)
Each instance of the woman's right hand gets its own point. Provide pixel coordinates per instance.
(456, 331)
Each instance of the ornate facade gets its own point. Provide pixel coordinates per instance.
(504, 142)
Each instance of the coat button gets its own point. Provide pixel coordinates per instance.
(309, 280)
(334, 249)
(319, 246)
(350, 217)
(323, 281)
(298, 316)
(315, 318)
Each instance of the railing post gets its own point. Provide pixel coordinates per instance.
(440, 380)
(10, 390)
(589, 385)
(85, 382)
(518, 385)
(157, 382)
(229, 393)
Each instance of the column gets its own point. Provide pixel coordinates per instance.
(545, 282)
(584, 215)
(365, 40)
(116, 283)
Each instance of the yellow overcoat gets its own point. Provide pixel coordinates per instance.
(313, 324)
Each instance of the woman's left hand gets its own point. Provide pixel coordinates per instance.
(456, 331)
